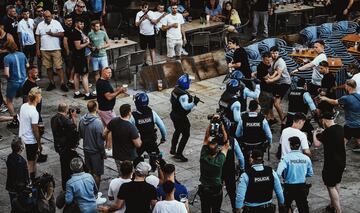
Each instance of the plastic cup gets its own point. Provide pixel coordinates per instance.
(116, 40)
(207, 18)
(125, 85)
(191, 77)
(160, 85)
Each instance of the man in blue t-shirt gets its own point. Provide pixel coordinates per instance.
(351, 105)
(98, 9)
(167, 173)
(15, 64)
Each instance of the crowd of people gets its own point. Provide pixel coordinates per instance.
(240, 130)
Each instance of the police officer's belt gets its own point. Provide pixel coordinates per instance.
(254, 144)
(261, 206)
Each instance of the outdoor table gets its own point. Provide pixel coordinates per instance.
(118, 45)
(349, 40)
(195, 25)
(290, 8)
(354, 52)
(334, 63)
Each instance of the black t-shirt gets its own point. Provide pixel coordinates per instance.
(137, 196)
(328, 82)
(10, 26)
(334, 148)
(261, 71)
(85, 17)
(67, 33)
(102, 87)
(76, 35)
(123, 132)
(261, 5)
(240, 55)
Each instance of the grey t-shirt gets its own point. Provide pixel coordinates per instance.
(285, 76)
(123, 132)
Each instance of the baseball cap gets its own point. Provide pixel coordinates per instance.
(153, 180)
(329, 115)
(143, 168)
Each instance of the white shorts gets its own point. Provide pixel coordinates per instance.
(173, 47)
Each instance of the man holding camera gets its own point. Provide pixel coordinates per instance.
(255, 190)
(181, 105)
(66, 138)
(254, 130)
(144, 118)
(211, 167)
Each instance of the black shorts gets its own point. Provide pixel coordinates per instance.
(30, 50)
(280, 90)
(147, 41)
(79, 63)
(95, 163)
(332, 176)
(351, 132)
(266, 101)
(31, 151)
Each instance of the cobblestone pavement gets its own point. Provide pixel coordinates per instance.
(187, 173)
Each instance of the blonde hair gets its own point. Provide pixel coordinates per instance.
(33, 92)
(351, 83)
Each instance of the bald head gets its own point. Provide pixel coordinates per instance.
(63, 108)
(47, 16)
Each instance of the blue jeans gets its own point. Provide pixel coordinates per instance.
(99, 63)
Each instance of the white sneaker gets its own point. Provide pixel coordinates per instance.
(94, 93)
(3, 108)
(108, 152)
(183, 52)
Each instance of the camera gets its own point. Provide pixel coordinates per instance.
(216, 120)
(71, 110)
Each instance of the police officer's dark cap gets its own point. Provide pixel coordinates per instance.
(257, 154)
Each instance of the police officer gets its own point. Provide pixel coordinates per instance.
(295, 167)
(255, 190)
(181, 105)
(245, 90)
(300, 101)
(144, 118)
(254, 130)
(228, 171)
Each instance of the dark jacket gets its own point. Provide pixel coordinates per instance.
(17, 173)
(64, 132)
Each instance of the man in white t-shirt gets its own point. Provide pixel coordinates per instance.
(170, 205)
(69, 6)
(172, 24)
(145, 21)
(316, 77)
(356, 78)
(28, 129)
(48, 34)
(294, 131)
(26, 36)
(126, 168)
(159, 16)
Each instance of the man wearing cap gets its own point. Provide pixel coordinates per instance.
(81, 187)
(332, 138)
(138, 195)
(211, 166)
(181, 105)
(351, 105)
(254, 130)
(295, 167)
(255, 190)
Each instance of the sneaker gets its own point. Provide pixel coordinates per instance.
(94, 93)
(51, 87)
(14, 124)
(80, 95)
(172, 152)
(356, 148)
(145, 64)
(90, 85)
(64, 88)
(108, 152)
(330, 208)
(3, 108)
(253, 38)
(70, 85)
(89, 97)
(181, 157)
(183, 52)
(1, 138)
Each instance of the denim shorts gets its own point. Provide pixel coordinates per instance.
(87, 51)
(99, 63)
(12, 89)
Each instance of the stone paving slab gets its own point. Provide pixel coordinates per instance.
(188, 173)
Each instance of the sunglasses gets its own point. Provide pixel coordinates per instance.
(80, 6)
